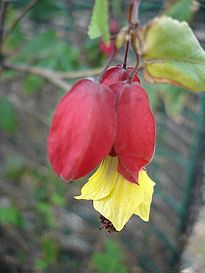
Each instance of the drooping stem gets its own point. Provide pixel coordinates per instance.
(133, 41)
(3, 13)
(135, 13)
(133, 34)
(131, 76)
(126, 54)
(128, 41)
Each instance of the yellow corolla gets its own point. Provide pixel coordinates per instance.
(116, 198)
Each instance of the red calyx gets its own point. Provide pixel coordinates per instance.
(118, 74)
(136, 131)
(83, 129)
(96, 119)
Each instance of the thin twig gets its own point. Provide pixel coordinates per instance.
(55, 77)
(16, 21)
(49, 75)
(3, 12)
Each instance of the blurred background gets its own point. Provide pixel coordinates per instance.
(42, 228)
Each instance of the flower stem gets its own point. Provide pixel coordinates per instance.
(126, 54)
(133, 34)
(128, 41)
(133, 41)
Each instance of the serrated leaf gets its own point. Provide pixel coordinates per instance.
(99, 21)
(7, 116)
(182, 10)
(172, 54)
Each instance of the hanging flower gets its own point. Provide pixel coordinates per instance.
(115, 197)
(109, 122)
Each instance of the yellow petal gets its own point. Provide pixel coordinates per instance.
(121, 203)
(102, 181)
(143, 210)
(115, 197)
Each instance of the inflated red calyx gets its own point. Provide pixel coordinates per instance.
(136, 131)
(83, 129)
(118, 73)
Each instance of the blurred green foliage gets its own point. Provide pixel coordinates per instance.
(165, 96)
(10, 215)
(7, 116)
(15, 167)
(111, 259)
(182, 10)
(50, 251)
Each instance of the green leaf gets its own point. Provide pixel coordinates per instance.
(99, 22)
(32, 84)
(7, 116)
(173, 55)
(182, 10)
